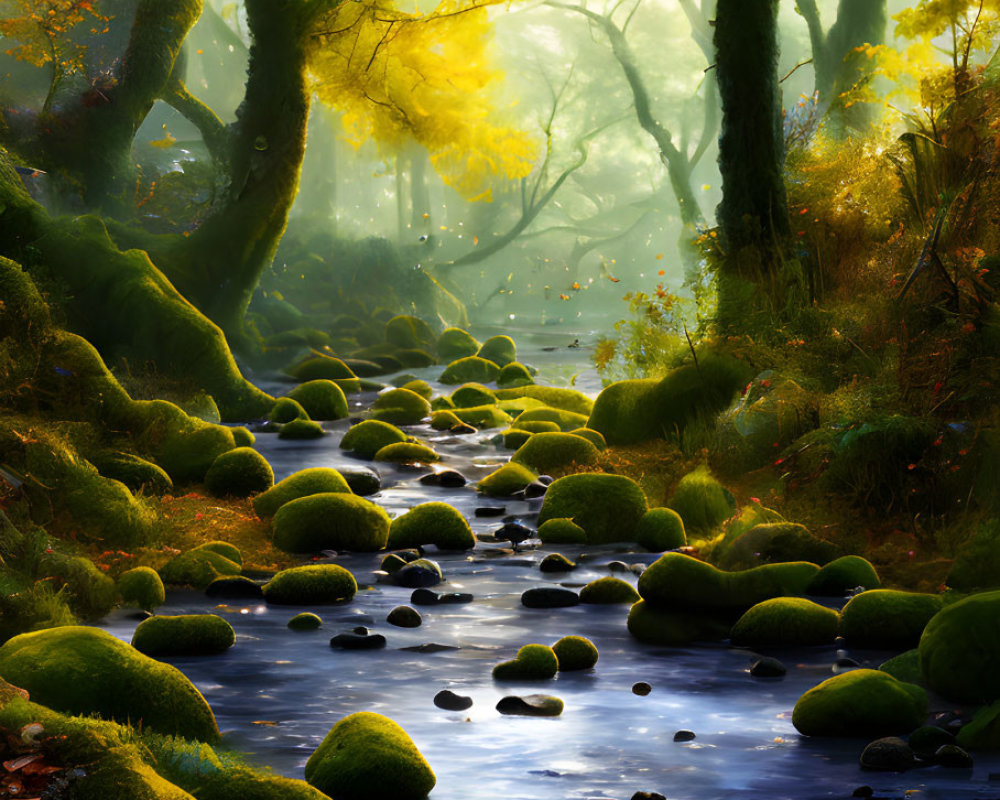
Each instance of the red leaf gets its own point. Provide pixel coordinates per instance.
(21, 761)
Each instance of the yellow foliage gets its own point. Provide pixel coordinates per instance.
(400, 77)
(40, 29)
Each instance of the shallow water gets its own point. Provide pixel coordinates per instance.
(277, 692)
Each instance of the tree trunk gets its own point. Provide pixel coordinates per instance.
(859, 22)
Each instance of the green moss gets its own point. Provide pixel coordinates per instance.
(566, 420)
(301, 429)
(454, 343)
(414, 358)
(592, 436)
(369, 757)
(561, 530)
(661, 529)
(330, 521)
(438, 524)
(184, 447)
(239, 473)
(444, 420)
(555, 452)
(488, 416)
(775, 542)
(313, 583)
(537, 426)
(864, 703)
(138, 474)
(469, 369)
(423, 388)
(552, 396)
(197, 568)
(982, 732)
(230, 551)
(368, 437)
(321, 399)
(842, 575)
(701, 500)
(667, 628)
(886, 618)
(409, 332)
(514, 438)
(183, 635)
(82, 670)
(513, 375)
(141, 587)
(400, 407)
(506, 481)
(320, 367)
(90, 593)
(407, 453)
(532, 662)
(607, 507)
(242, 437)
(305, 482)
(960, 650)
(904, 667)
(977, 563)
(473, 394)
(442, 403)
(305, 621)
(556, 562)
(501, 350)
(574, 653)
(608, 590)
(785, 622)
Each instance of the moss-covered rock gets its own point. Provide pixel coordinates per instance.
(982, 732)
(575, 653)
(313, 583)
(239, 473)
(454, 343)
(537, 426)
(701, 500)
(566, 420)
(863, 703)
(887, 618)
(408, 332)
(561, 530)
(242, 437)
(773, 543)
(842, 575)
(142, 587)
(407, 453)
(608, 590)
(285, 409)
(661, 529)
(556, 562)
(321, 399)
(555, 452)
(369, 757)
(301, 429)
(501, 350)
(368, 437)
(197, 568)
(592, 436)
(305, 482)
(227, 549)
(977, 563)
(960, 650)
(330, 521)
(183, 447)
(513, 375)
(470, 369)
(487, 416)
(81, 670)
(183, 635)
(904, 667)
(444, 420)
(400, 407)
(319, 366)
(138, 474)
(438, 524)
(607, 507)
(513, 438)
(421, 387)
(785, 622)
(469, 395)
(442, 403)
(552, 396)
(667, 628)
(532, 662)
(305, 621)
(90, 593)
(506, 481)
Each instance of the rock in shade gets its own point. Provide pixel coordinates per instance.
(513, 532)
(463, 428)
(556, 562)
(641, 688)
(447, 478)
(490, 511)
(534, 489)
(648, 796)
(926, 740)
(306, 621)
(425, 597)
(953, 756)
(532, 705)
(420, 573)
(683, 736)
(767, 667)
(358, 641)
(549, 597)
(450, 701)
(430, 647)
(404, 617)
(888, 754)
(362, 480)
(234, 587)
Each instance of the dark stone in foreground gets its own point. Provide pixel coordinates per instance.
(648, 796)
(549, 597)
(449, 478)
(513, 532)
(358, 641)
(767, 667)
(490, 511)
(234, 587)
(362, 480)
(926, 740)
(450, 701)
(404, 617)
(532, 705)
(425, 597)
(534, 489)
(953, 756)
(641, 688)
(419, 573)
(684, 736)
(429, 647)
(889, 754)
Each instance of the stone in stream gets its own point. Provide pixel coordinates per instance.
(767, 667)
(463, 428)
(450, 701)
(419, 573)
(490, 511)
(362, 480)
(235, 587)
(641, 688)
(404, 617)
(953, 757)
(425, 597)
(447, 478)
(513, 532)
(305, 621)
(888, 754)
(684, 736)
(926, 740)
(358, 641)
(549, 597)
(430, 647)
(531, 705)
(556, 562)
(535, 489)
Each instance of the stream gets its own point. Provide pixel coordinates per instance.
(277, 692)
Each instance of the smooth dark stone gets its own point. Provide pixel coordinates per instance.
(513, 532)
(863, 791)
(532, 705)
(354, 641)
(404, 617)
(767, 667)
(425, 597)
(648, 796)
(362, 480)
(363, 368)
(429, 647)
(889, 754)
(413, 576)
(535, 489)
(546, 479)
(684, 736)
(926, 740)
(462, 428)
(490, 511)
(953, 757)
(234, 587)
(617, 566)
(448, 478)
(549, 597)
(454, 598)
(360, 630)
(641, 688)
(450, 701)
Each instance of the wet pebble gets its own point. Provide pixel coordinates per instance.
(549, 597)
(358, 641)
(234, 587)
(953, 756)
(556, 562)
(888, 754)
(926, 740)
(363, 481)
(490, 511)
(425, 597)
(617, 566)
(767, 667)
(532, 705)
(535, 489)
(448, 478)
(641, 688)
(420, 573)
(404, 617)
(450, 701)
(684, 736)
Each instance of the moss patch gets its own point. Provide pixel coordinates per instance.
(183, 635)
(607, 507)
(321, 399)
(532, 662)
(438, 524)
(240, 472)
(313, 583)
(785, 622)
(555, 452)
(314, 480)
(575, 653)
(368, 437)
(330, 520)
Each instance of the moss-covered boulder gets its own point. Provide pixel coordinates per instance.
(673, 628)
(904, 667)
(785, 622)
(321, 399)
(400, 407)
(864, 703)
(285, 409)
(960, 650)
(561, 530)
(198, 568)
(227, 549)
(607, 507)
(533, 662)
(330, 521)
(513, 375)
(421, 387)
(438, 524)
(305, 621)
(369, 757)
(470, 369)
(661, 529)
(887, 618)
(701, 500)
(366, 438)
(408, 332)
(81, 670)
(592, 436)
(536, 426)
(513, 438)
(89, 592)
(444, 420)
(506, 481)
(608, 590)
(301, 429)
(138, 474)
(183, 635)
(555, 452)
(982, 732)
(528, 397)
(242, 437)
(469, 395)
(575, 653)
(773, 543)
(843, 575)
(501, 350)
(305, 482)
(977, 563)
(239, 473)
(442, 403)
(486, 416)
(566, 420)
(319, 366)
(142, 587)
(556, 562)
(313, 583)
(406, 453)
(454, 343)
